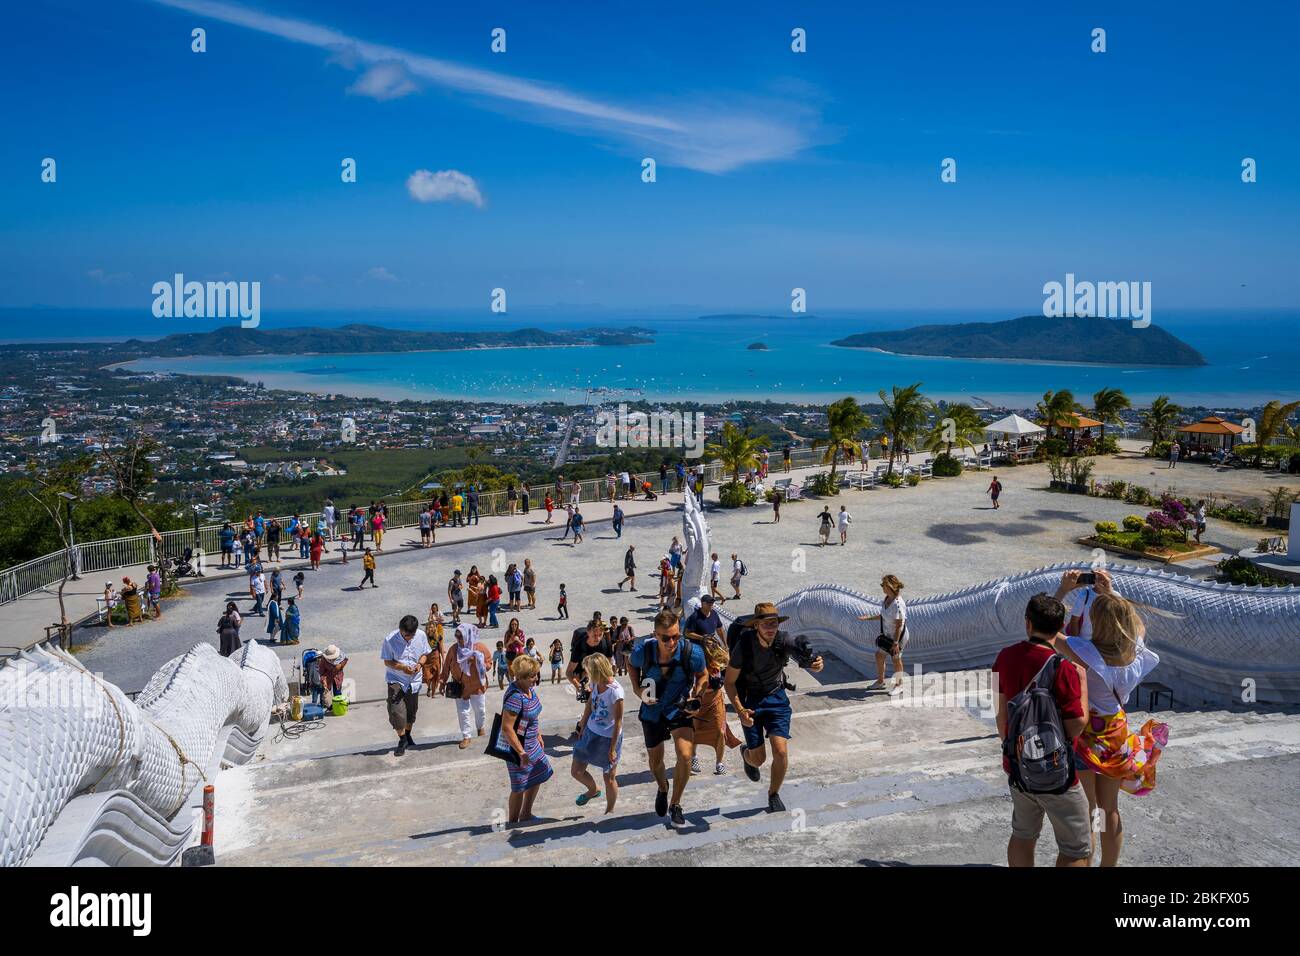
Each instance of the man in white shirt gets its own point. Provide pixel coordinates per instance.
(715, 572)
(404, 653)
(259, 592)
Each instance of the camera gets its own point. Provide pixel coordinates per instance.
(1087, 579)
(583, 695)
(691, 705)
(801, 652)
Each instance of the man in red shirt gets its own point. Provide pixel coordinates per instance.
(1016, 666)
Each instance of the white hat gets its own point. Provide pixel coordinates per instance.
(332, 653)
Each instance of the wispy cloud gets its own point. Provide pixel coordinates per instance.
(714, 138)
(443, 186)
(381, 274)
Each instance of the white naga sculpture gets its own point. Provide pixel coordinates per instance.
(88, 776)
(1218, 644)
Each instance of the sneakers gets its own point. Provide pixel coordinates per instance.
(876, 685)
(675, 815)
(774, 804)
(750, 770)
(719, 768)
(695, 765)
(661, 803)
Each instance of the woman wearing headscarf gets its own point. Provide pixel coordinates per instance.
(228, 628)
(464, 668)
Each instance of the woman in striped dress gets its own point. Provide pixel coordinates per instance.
(521, 720)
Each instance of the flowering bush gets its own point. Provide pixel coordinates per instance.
(1106, 527)
(1133, 523)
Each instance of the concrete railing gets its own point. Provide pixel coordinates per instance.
(105, 555)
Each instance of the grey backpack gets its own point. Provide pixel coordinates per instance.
(1039, 751)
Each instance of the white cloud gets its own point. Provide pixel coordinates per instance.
(716, 138)
(445, 185)
(380, 273)
(385, 81)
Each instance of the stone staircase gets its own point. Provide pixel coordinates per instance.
(872, 781)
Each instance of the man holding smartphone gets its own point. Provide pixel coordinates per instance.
(668, 674)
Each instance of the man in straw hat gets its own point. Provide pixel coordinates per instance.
(756, 684)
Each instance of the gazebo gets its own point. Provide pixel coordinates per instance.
(1014, 427)
(1209, 435)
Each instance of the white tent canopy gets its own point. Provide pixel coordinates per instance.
(1014, 425)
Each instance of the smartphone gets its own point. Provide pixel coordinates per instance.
(1087, 579)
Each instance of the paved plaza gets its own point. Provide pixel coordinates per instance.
(937, 537)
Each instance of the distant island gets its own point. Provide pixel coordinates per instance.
(1034, 338)
(756, 347)
(351, 339)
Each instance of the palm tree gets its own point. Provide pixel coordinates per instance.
(906, 411)
(1107, 404)
(1272, 420)
(845, 421)
(1056, 409)
(968, 428)
(738, 450)
(1160, 417)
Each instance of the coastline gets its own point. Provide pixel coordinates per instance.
(1013, 361)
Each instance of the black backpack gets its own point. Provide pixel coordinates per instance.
(1037, 748)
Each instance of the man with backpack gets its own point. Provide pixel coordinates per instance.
(668, 673)
(738, 571)
(1042, 706)
(756, 685)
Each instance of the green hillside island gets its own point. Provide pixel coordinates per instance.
(353, 339)
(1034, 338)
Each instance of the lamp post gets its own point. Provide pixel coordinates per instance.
(72, 539)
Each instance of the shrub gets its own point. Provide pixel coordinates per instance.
(894, 480)
(913, 480)
(946, 466)
(1114, 489)
(772, 494)
(1137, 495)
(1056, 467)
(1159, 449)
(1080, 470)
(735, 495)
(1244, 571)
(1133, 523)
(1106, 527)
(822, 484)
(1107, 446)
(1053, 447)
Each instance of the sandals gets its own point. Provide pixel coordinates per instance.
(585, 798)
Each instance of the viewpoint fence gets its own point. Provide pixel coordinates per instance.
(111, 553)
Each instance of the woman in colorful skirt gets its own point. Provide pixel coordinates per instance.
(711, 728)
(521, 721)
(1109, 755)
(600, 741)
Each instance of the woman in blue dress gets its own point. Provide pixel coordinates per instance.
(521, 719)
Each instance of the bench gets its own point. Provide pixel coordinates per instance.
(1154, 692)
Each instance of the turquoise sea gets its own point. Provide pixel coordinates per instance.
(1254, 356)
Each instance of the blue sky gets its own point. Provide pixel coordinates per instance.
(775, 169)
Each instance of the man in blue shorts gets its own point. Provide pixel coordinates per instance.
(756, 685)
(668, 673)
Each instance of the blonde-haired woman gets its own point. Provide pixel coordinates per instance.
(521, 730)
(1108, 755)
(600, 741)
(893, 630)
(711, 729)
